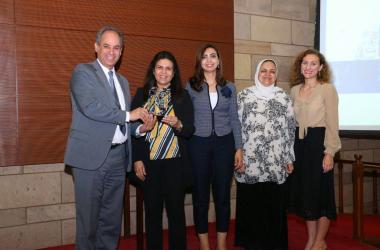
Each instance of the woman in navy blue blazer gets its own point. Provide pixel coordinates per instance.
(215, 149)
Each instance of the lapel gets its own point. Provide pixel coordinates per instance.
(124, 86)
(103, 82)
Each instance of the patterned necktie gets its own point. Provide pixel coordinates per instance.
(116, 97)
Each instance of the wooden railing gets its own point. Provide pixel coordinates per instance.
(340, 163)
(367, 172)
(360, 169)
(139, 215)
(139, 219)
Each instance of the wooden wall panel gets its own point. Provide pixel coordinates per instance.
(208, 20)
(51, 37)
(139, 52)
(7, 60)
(8, 110)
(7, 11)
(45, 59)
(8, 131)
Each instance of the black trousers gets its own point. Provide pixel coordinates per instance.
(164, 185)
(212, 164)
(261, 220)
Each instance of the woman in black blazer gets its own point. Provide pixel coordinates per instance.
(160, 155)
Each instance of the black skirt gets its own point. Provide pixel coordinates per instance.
(261, 221)
(311, 193)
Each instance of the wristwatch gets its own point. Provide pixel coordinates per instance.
(180, 126)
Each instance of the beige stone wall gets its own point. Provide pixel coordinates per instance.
(275, 29)
(36, 206)
(37, 202)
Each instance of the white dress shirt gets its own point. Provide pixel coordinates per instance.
(118, 137)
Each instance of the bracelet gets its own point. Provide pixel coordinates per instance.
(180, 126)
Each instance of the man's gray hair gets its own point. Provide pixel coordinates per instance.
(109, 28)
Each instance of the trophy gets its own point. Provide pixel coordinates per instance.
(158, 103)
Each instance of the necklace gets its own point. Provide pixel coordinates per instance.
(307, 90)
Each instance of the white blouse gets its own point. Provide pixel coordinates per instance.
(213, 99)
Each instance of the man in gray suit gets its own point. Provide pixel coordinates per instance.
(99, 145)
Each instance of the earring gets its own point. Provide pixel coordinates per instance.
(319, 74)
(218, 67)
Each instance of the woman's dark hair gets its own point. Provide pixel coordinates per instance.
(176, 88)
(198, 77)
(324, 76)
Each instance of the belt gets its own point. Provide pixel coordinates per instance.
(115, 145)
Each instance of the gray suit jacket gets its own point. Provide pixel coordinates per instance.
(95, 117)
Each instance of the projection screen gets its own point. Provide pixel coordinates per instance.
(349, 37)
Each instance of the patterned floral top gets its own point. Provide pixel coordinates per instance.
(268, 129)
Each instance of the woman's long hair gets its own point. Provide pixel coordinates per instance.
(296, 77)
(198, 77)
(176, 88)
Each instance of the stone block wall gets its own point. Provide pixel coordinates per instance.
(36, 207)
(271, 28)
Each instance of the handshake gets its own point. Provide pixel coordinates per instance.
(149, 119)
(142, 114)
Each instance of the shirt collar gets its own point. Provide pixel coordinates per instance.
(105, 69)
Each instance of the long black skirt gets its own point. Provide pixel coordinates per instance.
(261, 221)
(311, 194)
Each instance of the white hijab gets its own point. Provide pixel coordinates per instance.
(262, 91)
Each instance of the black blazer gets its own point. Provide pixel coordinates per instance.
(183, 109)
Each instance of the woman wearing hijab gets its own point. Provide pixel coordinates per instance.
(268, 126)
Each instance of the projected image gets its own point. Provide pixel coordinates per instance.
(365, 80)
(350, 39)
